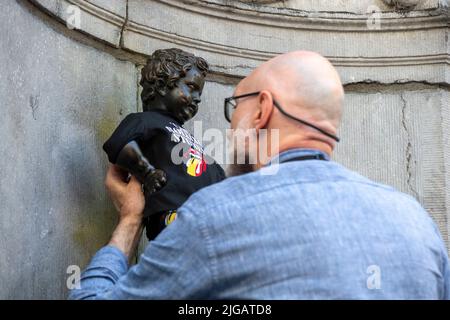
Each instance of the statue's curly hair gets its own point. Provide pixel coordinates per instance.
(164, 68)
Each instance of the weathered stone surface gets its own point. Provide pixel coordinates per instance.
(397, 138)
(445, 113)
(355, 6)
(117, 7)
(60, 101)
(408, 49)
(402, 4)
(101, 19)
(381, 46)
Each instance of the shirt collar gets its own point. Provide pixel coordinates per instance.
(294, 153)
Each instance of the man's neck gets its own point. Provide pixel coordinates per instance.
(316, 145)
(292, 143)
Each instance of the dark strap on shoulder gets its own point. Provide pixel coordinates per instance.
(310, 157)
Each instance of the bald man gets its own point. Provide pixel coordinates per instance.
(290, 225)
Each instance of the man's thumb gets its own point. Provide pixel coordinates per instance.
(135, 184)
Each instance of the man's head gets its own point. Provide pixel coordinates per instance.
(173, 80)
(306, 86)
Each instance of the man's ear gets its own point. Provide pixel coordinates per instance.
(265, 109)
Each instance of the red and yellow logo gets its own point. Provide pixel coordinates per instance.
(196, 165)
(170, 217)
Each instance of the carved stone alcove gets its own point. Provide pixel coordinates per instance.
(383, 47)
(239, 36)
(64, 92)
(378, 47)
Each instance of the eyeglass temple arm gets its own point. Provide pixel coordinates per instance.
(305, 122)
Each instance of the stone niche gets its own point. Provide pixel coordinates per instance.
(392, 56)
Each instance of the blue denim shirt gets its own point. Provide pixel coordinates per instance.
(300, 230)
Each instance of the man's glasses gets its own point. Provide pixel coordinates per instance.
(230, 105)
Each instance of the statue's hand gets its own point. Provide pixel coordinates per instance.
(154, 181)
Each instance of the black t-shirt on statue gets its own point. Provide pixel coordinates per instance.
(159, 135)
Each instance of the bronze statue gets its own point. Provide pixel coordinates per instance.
(142, 144)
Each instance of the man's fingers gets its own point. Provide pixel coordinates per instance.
(117, 179)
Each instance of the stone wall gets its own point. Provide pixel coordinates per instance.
(64, 89)
(60, 100)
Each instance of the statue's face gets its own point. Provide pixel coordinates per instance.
(182, 101)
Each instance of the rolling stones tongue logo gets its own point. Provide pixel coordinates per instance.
(195, 164)
(193, 157)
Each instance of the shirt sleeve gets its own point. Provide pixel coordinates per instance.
(176, 265)
(445, 264)
(135, 126)
(104, 270)
(446, 279)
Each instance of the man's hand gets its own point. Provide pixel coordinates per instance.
(126, 195)
(129, 200)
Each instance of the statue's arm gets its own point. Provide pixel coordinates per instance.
(133, 160)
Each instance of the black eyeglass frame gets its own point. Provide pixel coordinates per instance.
(227, 101)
